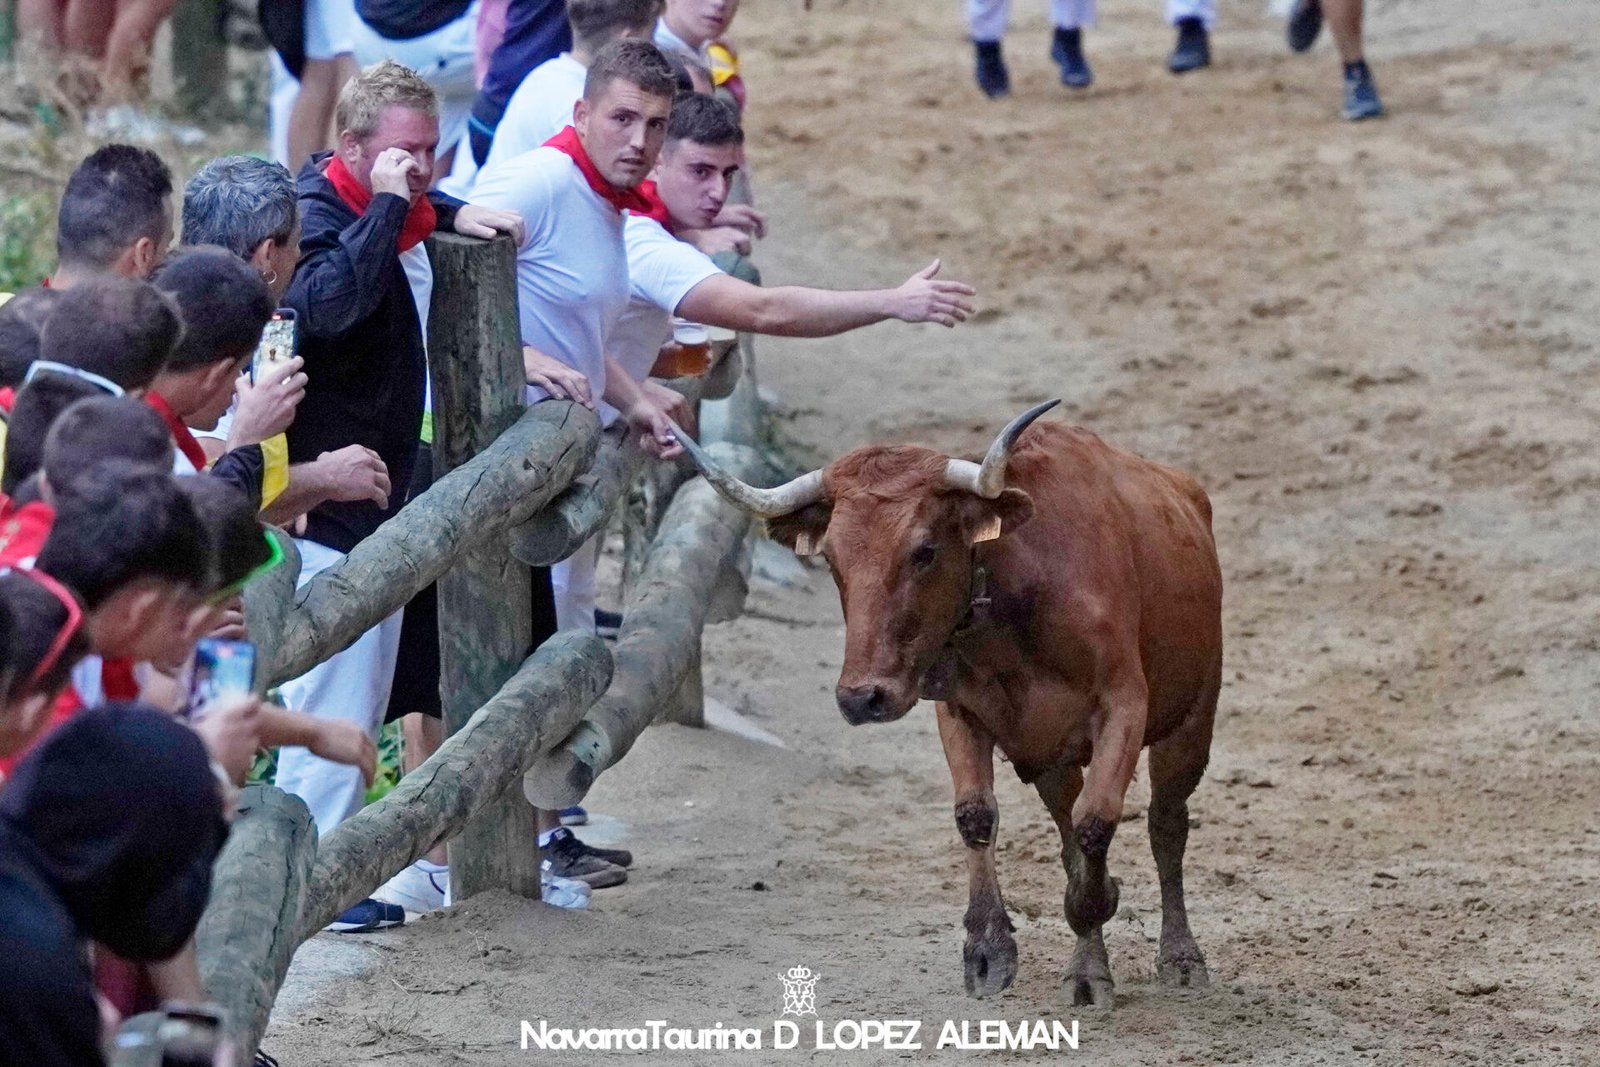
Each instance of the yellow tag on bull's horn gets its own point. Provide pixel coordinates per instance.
(807, 543)
(988, 531)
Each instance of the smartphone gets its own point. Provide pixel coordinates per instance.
(221, 668)
(277, 343)
(192, 1035)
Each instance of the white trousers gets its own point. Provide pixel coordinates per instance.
(572, 585)
(442, 58)
(353, 686)
(987, 20)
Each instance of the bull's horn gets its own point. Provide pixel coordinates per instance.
(989, 479)
(766, 503)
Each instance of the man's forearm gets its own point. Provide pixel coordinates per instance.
(307, 487)
(622, 392)
(797, 311)
(281, 726)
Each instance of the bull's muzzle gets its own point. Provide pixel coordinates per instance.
(870, 703)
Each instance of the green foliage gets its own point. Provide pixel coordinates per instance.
(266, 766)
(26, 252)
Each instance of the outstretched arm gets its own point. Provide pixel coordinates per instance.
(798, 311)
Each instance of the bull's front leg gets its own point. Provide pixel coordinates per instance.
(990, 952)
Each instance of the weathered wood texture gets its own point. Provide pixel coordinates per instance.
(525, 468)
(246, 937)
(700, 537)
(471, 771)
(486, 598)
(585, 507)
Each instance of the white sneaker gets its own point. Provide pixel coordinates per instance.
(562, 892)
(421, 887)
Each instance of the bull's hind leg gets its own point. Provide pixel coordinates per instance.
(1091, 895)
(1176, 763)
(990, 953)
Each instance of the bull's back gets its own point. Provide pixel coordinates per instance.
(1135, 535)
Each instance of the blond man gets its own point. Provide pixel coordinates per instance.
(360, 294)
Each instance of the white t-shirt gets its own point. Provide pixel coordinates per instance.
(668, 41)
(539, 109)
(572, 267)
(661, 272)
(419, 276)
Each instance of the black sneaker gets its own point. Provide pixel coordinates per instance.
(571, 858)
(993, 78)
(1193, 49)
(1305, 22)
(1066, 48)
(608, 624)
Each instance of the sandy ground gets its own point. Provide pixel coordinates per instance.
(1373, 345)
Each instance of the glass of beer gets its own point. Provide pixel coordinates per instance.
(688, 355)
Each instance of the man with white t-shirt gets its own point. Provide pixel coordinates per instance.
(542, 105)
(689, 26)
(572, 286)
(668, 276)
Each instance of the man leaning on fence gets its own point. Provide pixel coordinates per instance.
(572, 286)
(361, 294)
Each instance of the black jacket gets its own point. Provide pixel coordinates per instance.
(362, 342)
(108, 831)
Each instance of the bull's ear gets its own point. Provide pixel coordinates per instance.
(802, 531)
(986, 520)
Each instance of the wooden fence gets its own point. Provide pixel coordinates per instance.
(516, 487)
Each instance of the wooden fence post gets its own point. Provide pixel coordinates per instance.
(8, 29)
(485, 601)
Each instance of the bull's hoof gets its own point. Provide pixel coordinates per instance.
(991, 965)
(1089, 975)
(1182, 967)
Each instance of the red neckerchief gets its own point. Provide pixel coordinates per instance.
(633, 200)
(116, 679)
(23, 530)
(658, 207)
(180, 433)
(8, 399)
(420, 220)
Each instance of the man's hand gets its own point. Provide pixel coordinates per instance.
(743, 217)
(474, 220)
(231, 729)
(266, 407)
(555, 377)
(655, 429)
(719, 239)
(355, 472)
(391, 171)
(228, 619)
(923, 298)
(674, 404)
(347, 743)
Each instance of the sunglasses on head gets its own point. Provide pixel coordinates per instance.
(233, 589)
(58, 644)
(72, 372)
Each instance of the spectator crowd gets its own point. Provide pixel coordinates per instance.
(162, 448)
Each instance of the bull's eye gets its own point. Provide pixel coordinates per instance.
(923, 555)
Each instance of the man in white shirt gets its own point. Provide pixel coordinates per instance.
(689, 26)
(542, 105)
(572, 286)
(668, 276)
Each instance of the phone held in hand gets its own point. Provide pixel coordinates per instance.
(278, 341)
(221, 669)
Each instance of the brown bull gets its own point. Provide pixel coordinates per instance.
(1061, 601)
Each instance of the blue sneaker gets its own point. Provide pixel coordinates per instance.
(367, 916)
(1067, 50)
(1305, 22)
(1360, 93)
(993, 78)
(574, 816)
(1193, 49)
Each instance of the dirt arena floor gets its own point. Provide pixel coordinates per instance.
(1374, 346)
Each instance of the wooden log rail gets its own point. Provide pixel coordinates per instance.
(700, 538)
(523, 470)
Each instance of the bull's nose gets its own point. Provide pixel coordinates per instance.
(863, 703)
